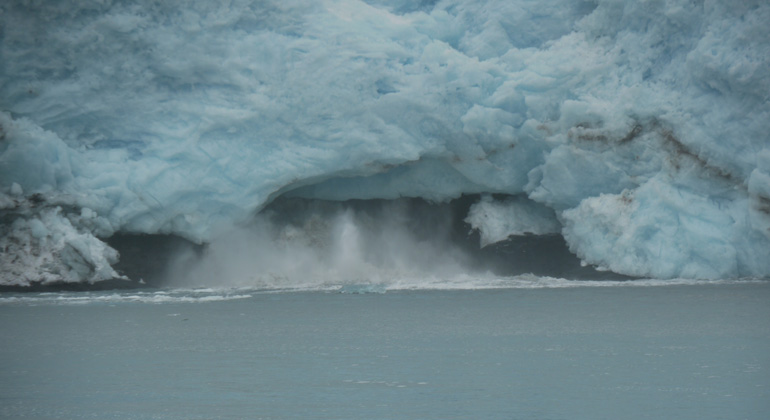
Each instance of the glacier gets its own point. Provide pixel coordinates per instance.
(639, 131)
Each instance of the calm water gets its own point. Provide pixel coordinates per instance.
(654, 352)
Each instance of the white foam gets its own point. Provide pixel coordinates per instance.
(113, 298)
(459, 283)
(530, 281)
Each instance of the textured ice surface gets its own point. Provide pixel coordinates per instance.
(49, 240)
(498, 219)
(642, 125)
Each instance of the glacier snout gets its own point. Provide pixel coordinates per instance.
(637, 130)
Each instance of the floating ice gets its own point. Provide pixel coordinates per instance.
(643, 126)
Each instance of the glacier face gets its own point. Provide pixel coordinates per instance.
(643, 126)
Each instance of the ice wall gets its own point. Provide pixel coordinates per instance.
(643, 125)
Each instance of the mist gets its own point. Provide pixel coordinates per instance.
(297, 243)
(307, 244)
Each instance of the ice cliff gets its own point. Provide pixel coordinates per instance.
(639, 130)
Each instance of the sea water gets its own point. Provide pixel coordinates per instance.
(541, 350)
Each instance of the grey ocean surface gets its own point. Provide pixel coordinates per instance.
(697, 351)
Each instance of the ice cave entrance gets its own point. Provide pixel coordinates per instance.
(295, 239)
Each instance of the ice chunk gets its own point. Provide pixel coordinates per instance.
(496, 220)
(47, 248)
(33, 160)
(663, 231)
